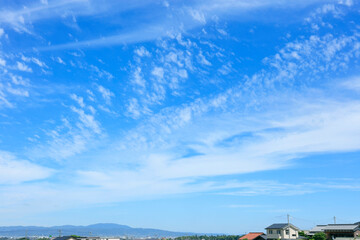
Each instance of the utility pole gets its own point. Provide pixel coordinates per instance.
(59, 232)
(288, 218)
(334, 220)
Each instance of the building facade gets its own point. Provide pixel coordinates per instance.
(342, 231)
(282, 231)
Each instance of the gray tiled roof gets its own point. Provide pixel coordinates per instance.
(318, 228)
(280, 226)
(341, 227)
(63, 238)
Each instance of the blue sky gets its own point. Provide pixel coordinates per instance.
(204, 116)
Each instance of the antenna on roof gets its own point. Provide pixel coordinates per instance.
(288, 218)
(334, 220)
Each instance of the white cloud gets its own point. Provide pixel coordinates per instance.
(19, 80)
(1, 32)
(68, 139)
(2, 62)
(198, 15)
(158, 72)
(78, 99)
(327, 127)
(14, 171)
(142, 52)
(203, 60)
(166, 3)
(309, 126)
(352, 83)
(101, 73)
(59, 60)
(222, 31)
(18, 92)
(106, 94)
(38, 62)
(92, 109)
(133, 108)
(25, 59)
(62, 147)
(137, 78)
(183, 73)
(348, 3)
(247, 206)
(158, 28)
(273, 188)
(214, 127)
(87, 120)
(23, 67)
(91, 95)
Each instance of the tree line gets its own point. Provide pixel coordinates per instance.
(206, 237)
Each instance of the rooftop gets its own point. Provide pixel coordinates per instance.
(341, 227)
(318, 228)
(64, 238)
(281, 226)
(252, 235)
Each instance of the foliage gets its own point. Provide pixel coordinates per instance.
(205, 237)
(302, 234)
(319, 236)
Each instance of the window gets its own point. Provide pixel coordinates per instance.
(287, 231)
(278, 232)
(270, 231)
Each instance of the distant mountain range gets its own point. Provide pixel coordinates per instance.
(100, 229)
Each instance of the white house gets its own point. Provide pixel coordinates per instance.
(282, 231)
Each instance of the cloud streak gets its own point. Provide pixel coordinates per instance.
(178, 22)
(15, 171)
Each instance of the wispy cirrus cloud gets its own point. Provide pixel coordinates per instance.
(15, 171)
(180, 18)
(72, 135)
(191, 118)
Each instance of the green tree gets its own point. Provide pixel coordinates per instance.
(302, 234)
(319, 236)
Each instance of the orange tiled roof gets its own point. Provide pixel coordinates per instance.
(251, 236)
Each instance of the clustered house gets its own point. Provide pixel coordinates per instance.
(338, 231)
(282, 231)
(287, 231)
(277, 231)
(254, 236)
(73, 237)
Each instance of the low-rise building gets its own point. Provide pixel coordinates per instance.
(282, 231)
(254, 236)
(65, 238)
(316, 229)
(85, 238)
(342, 231)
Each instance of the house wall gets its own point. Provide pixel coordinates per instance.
(339, 234)
(293, 234)
(272, 233)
